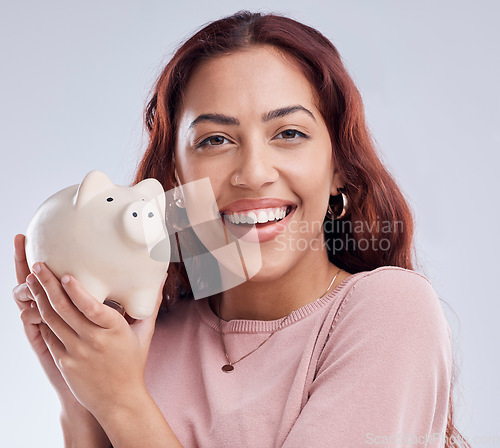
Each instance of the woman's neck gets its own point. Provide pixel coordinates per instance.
(269, 300)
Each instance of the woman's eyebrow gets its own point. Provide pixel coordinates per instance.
(271, 115)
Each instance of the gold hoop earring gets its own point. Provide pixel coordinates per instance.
(345, 204)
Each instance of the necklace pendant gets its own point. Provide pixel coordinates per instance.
(227, 368)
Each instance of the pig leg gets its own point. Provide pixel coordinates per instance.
(141, 304)
(94, 287)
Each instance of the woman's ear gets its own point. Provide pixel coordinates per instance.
(338, 182)
(177, 177)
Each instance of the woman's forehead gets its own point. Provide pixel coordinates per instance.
(258, 79)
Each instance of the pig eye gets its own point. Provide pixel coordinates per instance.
(134, 214)
(109, 199)
(150, 214)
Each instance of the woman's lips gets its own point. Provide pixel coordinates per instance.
(259, 232)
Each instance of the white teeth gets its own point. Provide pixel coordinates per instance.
(251, 218)
(262, 217)
(257, 216)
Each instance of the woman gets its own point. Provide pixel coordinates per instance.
(333, 340)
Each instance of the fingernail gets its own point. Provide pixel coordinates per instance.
(30, 279)
(65, 279)
(37, 268)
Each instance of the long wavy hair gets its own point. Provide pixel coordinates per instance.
(375, 200)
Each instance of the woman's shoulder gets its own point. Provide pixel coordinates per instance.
(393, 272)
(392, 295)
(389, 313)
(392, 282)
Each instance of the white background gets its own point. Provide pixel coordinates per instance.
(74, 81)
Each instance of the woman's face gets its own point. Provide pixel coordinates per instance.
(254, 115)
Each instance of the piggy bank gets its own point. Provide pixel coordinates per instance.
(103, 234)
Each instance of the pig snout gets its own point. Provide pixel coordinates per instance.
(143, 223)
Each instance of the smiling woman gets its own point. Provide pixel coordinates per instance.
(331, 338)
(263, 107)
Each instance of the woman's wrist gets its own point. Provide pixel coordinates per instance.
(81, 429)
(137, 421)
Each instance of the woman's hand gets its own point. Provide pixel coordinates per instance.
(100, 356)
(77, 422)
(32, 320)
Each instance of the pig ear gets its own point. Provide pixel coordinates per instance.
(94, 183)
(149, 188)
(152, 189)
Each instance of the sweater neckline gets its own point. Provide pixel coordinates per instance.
(265, 326)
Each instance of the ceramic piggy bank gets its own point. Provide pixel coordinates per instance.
(102, 234)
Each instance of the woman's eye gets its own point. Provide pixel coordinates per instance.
(217, 139)
(291, 133)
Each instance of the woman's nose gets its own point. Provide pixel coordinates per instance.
(256, 167)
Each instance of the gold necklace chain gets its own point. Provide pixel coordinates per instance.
(229, 367)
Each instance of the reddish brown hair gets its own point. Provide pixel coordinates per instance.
(374, 196)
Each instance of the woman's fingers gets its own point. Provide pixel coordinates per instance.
(61, 303)
(22, 268)
(38, 336)
(22, 296)
(48, 314)
(21, 293)
(31, 319)
(53, 343)
(95, 311)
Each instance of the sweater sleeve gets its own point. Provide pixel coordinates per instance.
(383, 375)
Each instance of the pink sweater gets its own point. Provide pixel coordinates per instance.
(369, 364)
